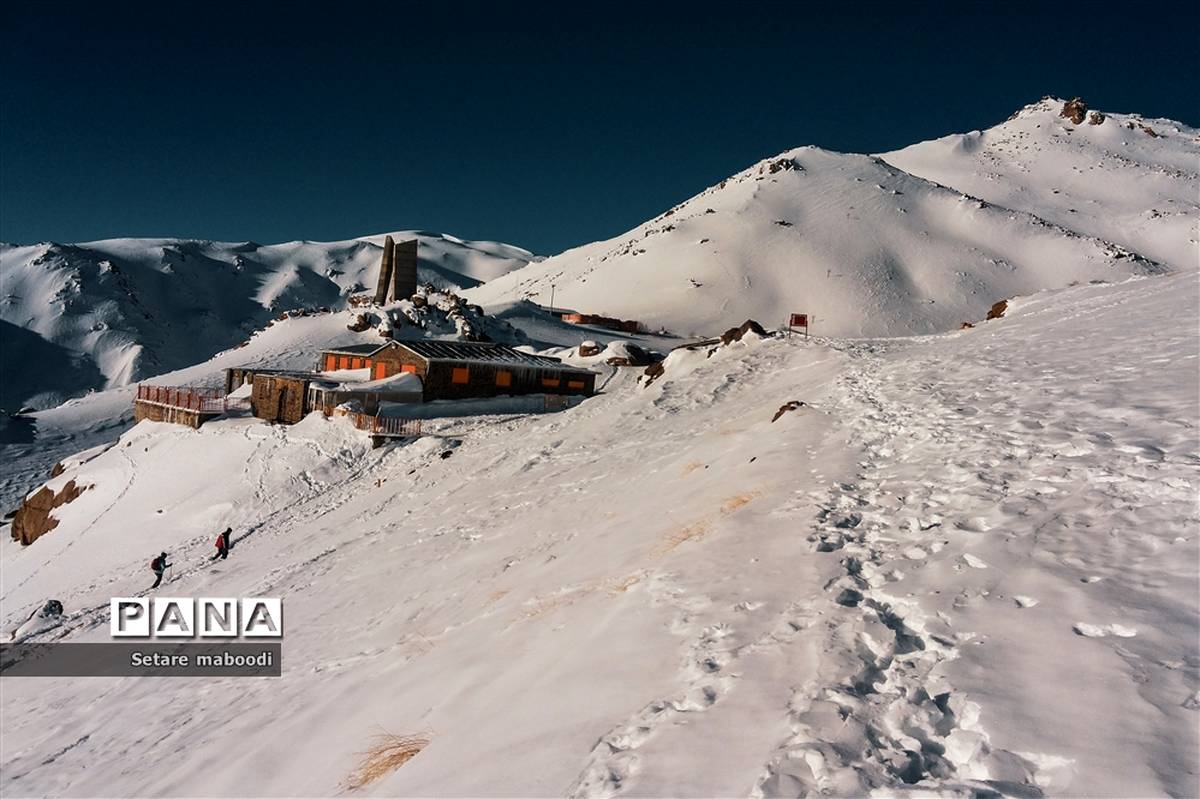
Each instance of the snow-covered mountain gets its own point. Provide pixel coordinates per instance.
(964, 566)
(108, 313)
(961, 564)
(869, 249)
(1119, 177)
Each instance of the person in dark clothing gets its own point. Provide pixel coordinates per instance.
(223, 545)
(159, 565)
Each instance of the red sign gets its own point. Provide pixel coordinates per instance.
(798, 320)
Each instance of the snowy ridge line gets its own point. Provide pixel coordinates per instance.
(879, 250)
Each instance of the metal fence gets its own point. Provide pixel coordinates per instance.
(191, 398)
(386, 425)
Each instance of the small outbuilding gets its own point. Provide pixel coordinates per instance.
(287, 397)
(279, 396)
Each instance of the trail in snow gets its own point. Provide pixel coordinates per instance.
(1046, 468)
(896, 719)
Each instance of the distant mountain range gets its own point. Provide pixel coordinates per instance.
(78, 317)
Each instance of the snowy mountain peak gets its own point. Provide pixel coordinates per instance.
(1120, 177)
(855, 240)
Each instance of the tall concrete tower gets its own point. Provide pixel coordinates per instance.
(405, 272)
(385, 271)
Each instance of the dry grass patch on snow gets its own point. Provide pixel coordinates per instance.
(388, 753)
(703, 527)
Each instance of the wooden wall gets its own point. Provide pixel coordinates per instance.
(392, 359)
(163, 413)
(236, 377)
(279, 398)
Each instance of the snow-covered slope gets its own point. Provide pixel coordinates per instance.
(864, 247)
(966, 565)
(108, 313)
(30, 444)
(1127, 179)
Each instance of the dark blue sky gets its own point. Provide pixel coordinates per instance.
(545, 126)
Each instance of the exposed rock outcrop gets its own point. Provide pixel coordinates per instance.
(654, 371)
(787, 406)
(1095, 118)
(997, 310)
(736, 333)
(1075, 110)
(33, 519)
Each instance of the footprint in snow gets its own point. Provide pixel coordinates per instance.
(1103, 630)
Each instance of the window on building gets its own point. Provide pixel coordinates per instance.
(574, 384)
(410, 368)
(504, 378)
(344, 362)
(330, 363)
(550, 382)
(460, 374)
(380, 370)
(356, 363)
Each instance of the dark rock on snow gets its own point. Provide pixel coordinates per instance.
(1075, 110)
(736, 333)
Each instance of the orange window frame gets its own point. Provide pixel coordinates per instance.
(504, 379)
(344, 362)
(575, 384)
(460, 375)
(410, 368)
(330, 363)
(550, 382)
(380, 370)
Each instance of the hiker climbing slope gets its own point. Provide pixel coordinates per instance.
(223, 545)
(159, 565)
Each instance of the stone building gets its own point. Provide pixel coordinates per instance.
(405, 371)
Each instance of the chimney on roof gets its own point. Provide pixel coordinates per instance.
(405, 273)
(385, 271)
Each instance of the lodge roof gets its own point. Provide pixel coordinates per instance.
(460, 351)
(358, 349)
(476, 351)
